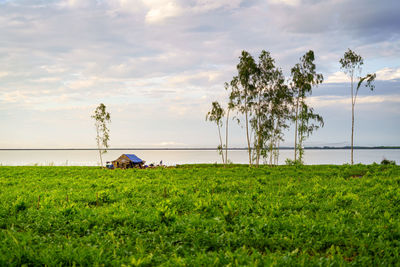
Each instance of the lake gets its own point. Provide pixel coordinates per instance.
(173, 157)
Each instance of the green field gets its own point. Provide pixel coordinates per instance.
(200, 215)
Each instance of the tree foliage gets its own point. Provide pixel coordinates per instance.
(271, 104)
(304, 78)
(102, 119)
(260, 94)
(216, 115)
(243, 92)
(351, 64)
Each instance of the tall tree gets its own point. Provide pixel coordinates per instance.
(351, 64)
(243, 90)
(281, 107)
(304, 77)
(229, 108)
(216, 114)
(270, 106)
(260, 94)
(102, 118)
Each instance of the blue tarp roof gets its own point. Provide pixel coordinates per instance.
(133, 158)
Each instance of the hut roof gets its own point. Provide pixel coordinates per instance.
(134, 158)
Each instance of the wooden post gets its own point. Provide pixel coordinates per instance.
(38, 203)
(67, 197)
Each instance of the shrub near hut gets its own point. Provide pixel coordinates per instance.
(126, 161)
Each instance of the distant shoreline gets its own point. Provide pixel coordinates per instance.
(193, 148)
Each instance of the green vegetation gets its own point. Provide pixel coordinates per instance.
(200, 215)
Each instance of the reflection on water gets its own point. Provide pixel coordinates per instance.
(173, 157)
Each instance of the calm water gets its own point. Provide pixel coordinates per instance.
(173, 157)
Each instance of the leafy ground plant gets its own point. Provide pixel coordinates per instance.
(200, 215)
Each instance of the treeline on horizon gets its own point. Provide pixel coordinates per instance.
(269, 102)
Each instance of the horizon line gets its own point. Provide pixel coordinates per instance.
(194, 148)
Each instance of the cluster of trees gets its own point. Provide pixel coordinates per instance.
(268, 103)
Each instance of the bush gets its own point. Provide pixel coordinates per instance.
(293, 162)
(20, 205)
(388, 162)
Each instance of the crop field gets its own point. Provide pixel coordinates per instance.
(200, 215)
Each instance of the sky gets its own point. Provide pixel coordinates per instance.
(158, 64)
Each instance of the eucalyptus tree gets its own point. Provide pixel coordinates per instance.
(102, 119)
(351, 64)
(281, 107)
(262, 123)
(216, 115)
(260, 94)
(272, 107)
(304, 77)
(228, 109)
(243, 91)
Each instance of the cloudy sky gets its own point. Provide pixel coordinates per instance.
(158, 64)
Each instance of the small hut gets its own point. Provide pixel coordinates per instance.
(128, 161)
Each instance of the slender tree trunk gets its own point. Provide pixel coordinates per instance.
(258, 141)
(352, 117)
(226, 137)
(247, 131)
(98, 145)
(295, 130)
(101, 158)
(271, 148)
(276, 142)
(248, 138)
(220, 141)
(277, 153)
(259, 146)
(271, 144)
(300, 132)
(352, 134)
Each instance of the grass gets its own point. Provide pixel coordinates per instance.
(200, 215)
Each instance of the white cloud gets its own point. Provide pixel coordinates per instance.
(125, 6)
(76, 3)
(159, 10)
(53, 69)
(337, 77)
(13, 97)
(46, 79)
(3, 74)
(83, 83)
(190, 77)
(207, 5)
(286, 2)
(386, 74)
(335, 101)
